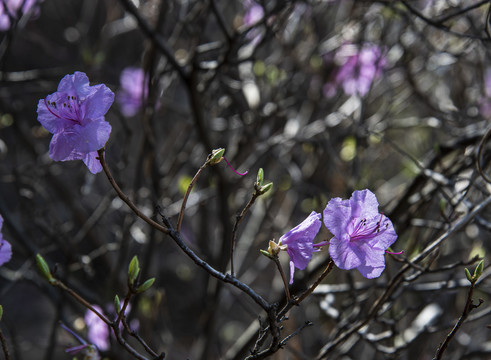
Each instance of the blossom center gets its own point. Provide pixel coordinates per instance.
(67, 107)
(365, 229)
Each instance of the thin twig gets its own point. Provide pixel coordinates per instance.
(125, 198)
(469, 306)
(4, 346)
(238, 220)
(282, 273)
(188, 191)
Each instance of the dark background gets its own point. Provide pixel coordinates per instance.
(413, 140)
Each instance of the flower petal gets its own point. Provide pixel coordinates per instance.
(5, 251)
(337, 216)
(345, 255)
(98, 103)
(92, 161)
(364, 204)
(49, 120)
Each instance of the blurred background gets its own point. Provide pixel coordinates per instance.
(326, 96)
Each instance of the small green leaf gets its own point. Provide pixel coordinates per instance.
(479, 269)
(133, 270)
(146, 285)
(265, 188)
(468, 274)
(265, 253)
(1, 312)
(117, 304)
(44, 268)
(260, 177)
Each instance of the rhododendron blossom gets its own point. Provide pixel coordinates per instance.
(357, 68)
(134, 90)
(74, 114)
(299, 242)
(361, 234)
(12, 9)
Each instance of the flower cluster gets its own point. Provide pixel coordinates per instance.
(5, 248)
(361, 236)
(13, 9)
(74, 114)
(356, 69)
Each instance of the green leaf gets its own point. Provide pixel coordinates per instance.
(44, 268)
(479, 269)
(260, 177)
(146, 285)
(133, 270)
(468, 274)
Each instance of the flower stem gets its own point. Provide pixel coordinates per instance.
(285, 283)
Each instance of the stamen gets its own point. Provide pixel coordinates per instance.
(235, 171)
(395, 253)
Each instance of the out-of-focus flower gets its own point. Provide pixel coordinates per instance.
(5, 248)
(74, 114)
(98, 331)
(253, 15)
(134, 90)
(89, 351)
(299, 242)
(485, 101)
(361, 233)
(356, 69)
(13, 9)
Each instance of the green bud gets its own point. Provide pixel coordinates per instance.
(479, 269)
(260, 177)
(146, 285)
(265, 253)
(1, 312)
(133, 270)
(265, 188)
(44, 268)
(468, 274)
(117, 304)
(216, 156)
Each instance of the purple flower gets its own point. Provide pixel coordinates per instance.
(98, 331)
(5, 248)
(357, 69)
(74, 114)
(254, 13)
(299, 242)
(11, 9)
(134, 90)
(361, 233)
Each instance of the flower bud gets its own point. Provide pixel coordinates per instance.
(215, 157)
